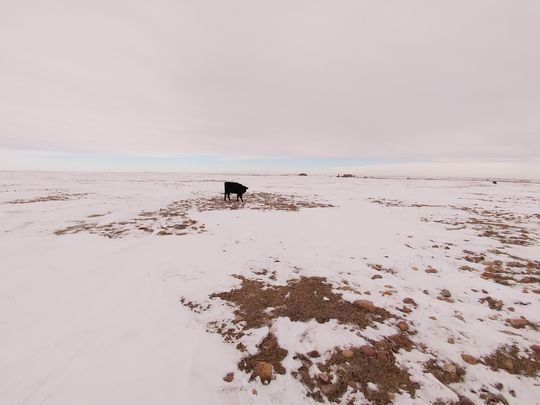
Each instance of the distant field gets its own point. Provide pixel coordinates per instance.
(150, 289)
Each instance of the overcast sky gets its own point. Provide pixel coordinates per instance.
(434, 85)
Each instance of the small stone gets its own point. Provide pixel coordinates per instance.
(499, 386)
(329, 389)
(467, 358)
(445, 293)
(518, 323)
(511, 309)
(367, 292)
(348, 354)
(313, 354)
(431, 270)
(368, 350)
(451, 340)
(508, 364)
(376, 276)
(535, 348)
(264, 371)
(324, 377)
(450, 368)
(365, 305)
(254, 391)
(229, 377)
(409, 300)
(403, 326)
(238, 318)
(537, 291)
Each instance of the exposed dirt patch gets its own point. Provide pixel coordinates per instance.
(304, 299)
(260, 201)
(447, 373)
(494, 304)
(171, 220)
(269, 352)
(174, 219)
(50, 197)
(371, 370)
(387, 202)
(509, 358)
(506, 227)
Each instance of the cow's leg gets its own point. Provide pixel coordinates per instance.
(224, 196)
(241, 198)
(237, 197)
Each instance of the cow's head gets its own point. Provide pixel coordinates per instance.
(245, 189)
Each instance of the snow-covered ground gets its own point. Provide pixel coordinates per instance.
(107, 286)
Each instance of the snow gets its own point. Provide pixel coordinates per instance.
(87, 319)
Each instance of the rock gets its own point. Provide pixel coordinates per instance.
(348, 354)
(511, 309)
(537, 291)
(450, 368)
(431, 270)
(518, 323)
(464, 401)
(254, 391)
(313, 354)
(365, 305)
(324, 377)
(403, 326)
(409, 300)
(508, 364)
(401, 341)
(376, 276)
(368, 350)
(329, 389)
(238, 318)
(445, 293)
(264, 371)
(229, 377)
(535, 348)
(467, 358)
(499, 386)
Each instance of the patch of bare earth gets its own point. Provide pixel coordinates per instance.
(174, 218)
(506, 227)
(171, 220)
(445, 372)
(50, 197)
(260, 201)
(258, 303)
(307, 298)
(370, 369)
(501, 270)
(510, 359)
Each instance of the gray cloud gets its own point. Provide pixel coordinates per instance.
(392, 80)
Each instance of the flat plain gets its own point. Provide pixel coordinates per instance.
(142, 288)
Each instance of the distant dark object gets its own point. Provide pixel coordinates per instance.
(235, 188)
(494, 182)
(303, 174)
(347, 175)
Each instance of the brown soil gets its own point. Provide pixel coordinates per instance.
(174, 218)
(270, 352)
(377, 365)
(509, 359)
(171, 220)
(259, 201)
(50, 197)
(446, 373)
(300, 300)
(497, 305)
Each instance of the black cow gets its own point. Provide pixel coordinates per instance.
(235, 188)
